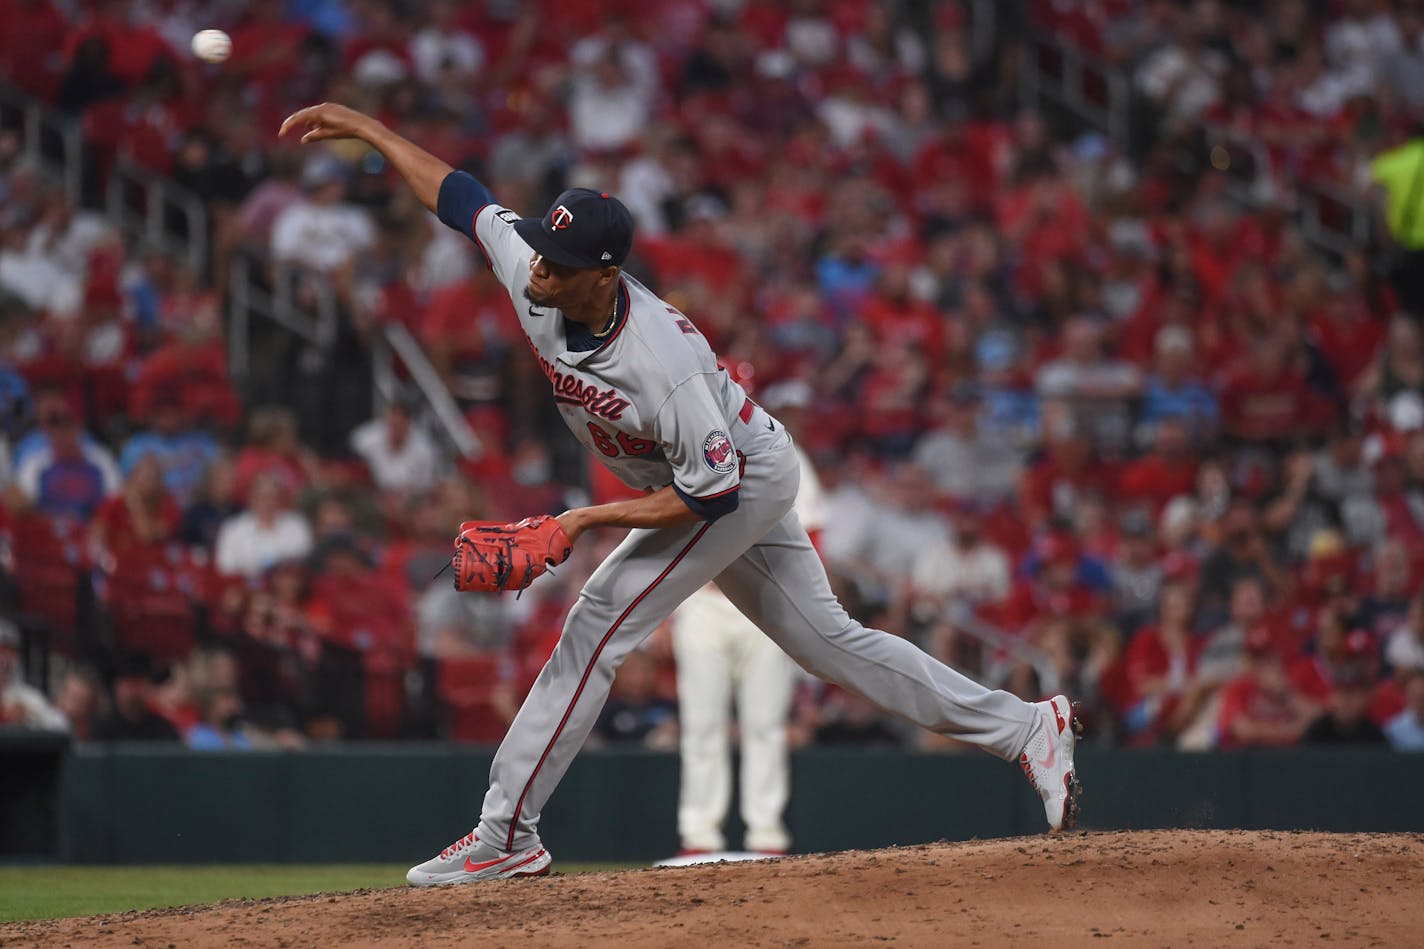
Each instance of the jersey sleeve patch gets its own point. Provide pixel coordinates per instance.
(718, 453)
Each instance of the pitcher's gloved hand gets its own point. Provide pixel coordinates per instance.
(491, 556)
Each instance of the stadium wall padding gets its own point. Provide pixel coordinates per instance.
(401, 803)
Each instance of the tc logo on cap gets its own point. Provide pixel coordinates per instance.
(561, 218)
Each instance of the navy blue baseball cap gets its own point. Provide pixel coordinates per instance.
(584, 229)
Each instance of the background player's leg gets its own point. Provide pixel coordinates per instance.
(765, 678)
(781, 585)
(704, 699)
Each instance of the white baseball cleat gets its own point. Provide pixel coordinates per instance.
(468, 860)
(1047, 760)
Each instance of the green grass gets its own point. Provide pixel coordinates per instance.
(46, 892)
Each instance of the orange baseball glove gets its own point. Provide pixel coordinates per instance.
(493, 557)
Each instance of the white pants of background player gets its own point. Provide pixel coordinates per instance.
(722, 656)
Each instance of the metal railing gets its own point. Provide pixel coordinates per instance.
(148, 207)
(983, 29)
(1096, 93)
(249, 297)
(1330, 217)
(50, 139)
(1099, 94)
(304, 303)
(157, 213)
(397, 343)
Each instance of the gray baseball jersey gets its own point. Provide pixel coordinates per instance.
(652, 404)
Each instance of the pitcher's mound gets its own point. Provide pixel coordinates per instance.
(1147, 888)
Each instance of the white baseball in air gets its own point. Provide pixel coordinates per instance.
(212, 46)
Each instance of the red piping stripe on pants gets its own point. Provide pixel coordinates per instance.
(519, 807)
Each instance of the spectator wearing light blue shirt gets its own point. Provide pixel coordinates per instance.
(184, 453)
(1173, 391)
(1406, 730)
(220, 728)
(48, 401)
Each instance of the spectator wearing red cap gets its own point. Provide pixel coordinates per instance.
(1261, 707)
(1346, 719)
(1339, 652)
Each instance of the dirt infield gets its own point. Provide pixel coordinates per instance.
(1204, 888)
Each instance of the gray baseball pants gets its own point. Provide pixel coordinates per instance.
(762, 559)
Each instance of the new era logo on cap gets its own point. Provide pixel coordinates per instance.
(584, 229)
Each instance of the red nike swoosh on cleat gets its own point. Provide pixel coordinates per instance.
(1058, 715)
(477, 867)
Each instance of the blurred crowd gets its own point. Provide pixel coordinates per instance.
(1087, 421)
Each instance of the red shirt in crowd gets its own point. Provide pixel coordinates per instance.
(1348, 337)
(122, 533)
(905, 322)
(31, 46)
(1156, 480)
(1243, 699)
(1050, 488)
(1255, 407)
(194, 376)
(676, 260)
(1314, 679)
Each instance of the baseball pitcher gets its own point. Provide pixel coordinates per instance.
(638, 385)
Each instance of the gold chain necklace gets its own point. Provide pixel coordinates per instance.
(612, 320)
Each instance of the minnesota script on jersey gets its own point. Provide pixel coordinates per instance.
(650, 402)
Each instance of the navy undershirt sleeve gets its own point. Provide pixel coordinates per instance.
(711, 508)
(461, 197)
